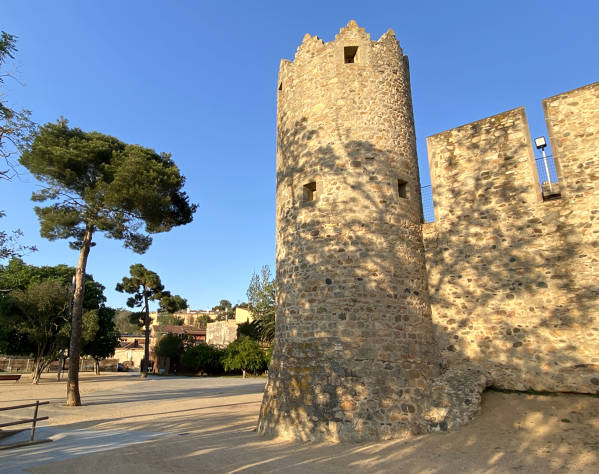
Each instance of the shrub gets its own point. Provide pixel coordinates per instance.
(169, 346)
(203, 358)
(244, 354)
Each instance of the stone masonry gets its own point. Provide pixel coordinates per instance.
(385, 325)
(514, 279)
(354, 351)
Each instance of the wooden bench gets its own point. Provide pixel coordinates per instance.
(14, 377)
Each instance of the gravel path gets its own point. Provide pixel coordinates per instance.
(180, 424)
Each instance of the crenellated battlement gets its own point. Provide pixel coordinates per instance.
(349, 36)
(385, 324)
(513, 277)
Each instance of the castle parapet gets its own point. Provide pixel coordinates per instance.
(512, 277)
(572, 121)
(482, 166)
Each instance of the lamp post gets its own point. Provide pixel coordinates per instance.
(540, 143)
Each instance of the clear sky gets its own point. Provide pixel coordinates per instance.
(198, 79)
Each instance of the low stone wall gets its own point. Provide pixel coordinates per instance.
(24, 364)
(221, 333)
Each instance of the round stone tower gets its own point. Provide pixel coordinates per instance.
(354, 351)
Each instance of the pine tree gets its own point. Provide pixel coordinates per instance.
(144, 285)
(97, 183)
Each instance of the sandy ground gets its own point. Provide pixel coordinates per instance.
(178, 424)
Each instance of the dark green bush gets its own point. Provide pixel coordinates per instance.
(244, 354)
(203, 358)
(169, 345)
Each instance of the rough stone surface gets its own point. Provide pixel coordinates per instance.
(359, 354)
(514, 280)
(354, 349)
(455, 398)
(221, 333)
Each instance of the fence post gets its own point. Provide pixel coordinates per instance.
(37, 405)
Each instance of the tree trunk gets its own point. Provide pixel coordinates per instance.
(73, 397)
(144, 372)
(36, 372)
(60, 367)
(97, 366)
(39, 364)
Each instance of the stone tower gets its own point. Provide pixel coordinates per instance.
(354, 352)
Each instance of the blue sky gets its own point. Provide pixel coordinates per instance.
(198, 79)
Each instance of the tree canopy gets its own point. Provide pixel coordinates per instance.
(171, 303)
(18, 275)
(170, 345)
(96, 183)
(105, 338)
(15, 133)
(15, 126)
(38, 315)
(224, 310)
(31, 326)
(167, 319)
(244, 354)
(261, 301)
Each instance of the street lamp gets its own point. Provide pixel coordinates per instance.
(540, 143)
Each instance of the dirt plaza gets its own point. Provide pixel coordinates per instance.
(202, 424)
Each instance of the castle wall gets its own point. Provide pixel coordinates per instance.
(513, 279)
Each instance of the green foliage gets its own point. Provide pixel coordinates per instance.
(169, 345)
(9, 244)
(261, 301)
(171, 303)
(224, 310)
(18, 275)
(24, 285)
(104, 339)
(166, 319)
(203, 358)
(138, 319)
(244, 354)
(143, 284)
(123, 322)
(248, 329)
(16, 128)
(37, 316)
(202, 321)
(15, 132)
(96, 182)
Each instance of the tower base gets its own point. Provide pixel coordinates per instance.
(449, 401)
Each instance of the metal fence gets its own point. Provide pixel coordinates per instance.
(542, 171)
(428, 208)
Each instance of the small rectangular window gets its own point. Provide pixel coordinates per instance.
(402, 188)
(350, 54)
(309, 191)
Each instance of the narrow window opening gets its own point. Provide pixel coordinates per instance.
(280, 86)
(402, 188)
(309, 191)
(350, 54)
